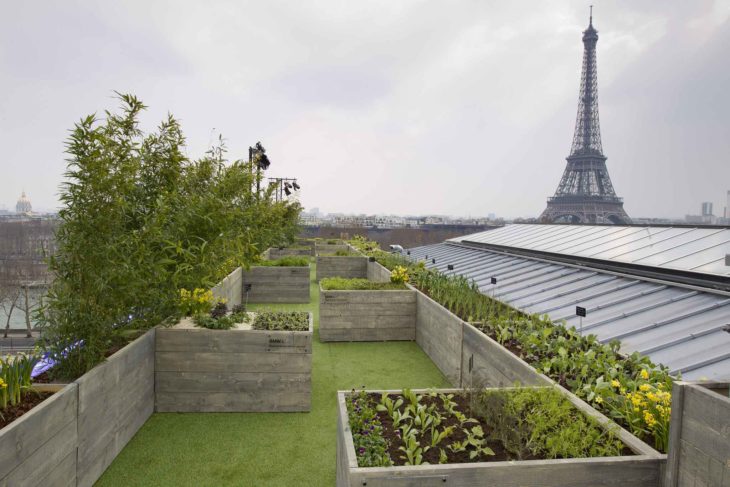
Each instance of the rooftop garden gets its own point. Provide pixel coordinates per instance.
(630, 389)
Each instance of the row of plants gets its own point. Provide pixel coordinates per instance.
(628, 388)
(140, 221)
(473, 426)
(287, 261)
(357, 284)
(209, 312)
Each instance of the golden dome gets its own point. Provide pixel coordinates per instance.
(23, 205)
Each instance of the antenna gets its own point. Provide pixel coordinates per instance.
(590, 22)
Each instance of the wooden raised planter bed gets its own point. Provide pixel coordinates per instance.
(323, 248)
(699, 443)
(640, 470)
(369, 316)
(377, 273)
(348, 267)
(39, 448)
(276, 253)
(200, 370)
(115, 399)
(469, 358)
(272, 284)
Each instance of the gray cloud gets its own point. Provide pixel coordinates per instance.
(402, 107)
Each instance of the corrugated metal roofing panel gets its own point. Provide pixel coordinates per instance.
(692, 249)
(679, 327)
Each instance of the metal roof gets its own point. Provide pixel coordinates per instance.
(675, 325)
(692, 249)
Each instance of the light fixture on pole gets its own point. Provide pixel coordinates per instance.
(262, 161)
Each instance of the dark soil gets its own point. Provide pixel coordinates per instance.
(392, 435)
(122, 340)
(44, 378)
(28, 401)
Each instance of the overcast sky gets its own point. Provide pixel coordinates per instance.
(403, 107)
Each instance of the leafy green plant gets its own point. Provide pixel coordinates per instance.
(342, 284)
(542, 422)
(281, 321)
(139, 221)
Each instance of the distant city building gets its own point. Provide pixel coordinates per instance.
(585, 193)
(706, 209)
(314, 219)
(23, 205)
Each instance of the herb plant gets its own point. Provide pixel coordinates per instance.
(342, 284)
(287, 261)
(281, 321)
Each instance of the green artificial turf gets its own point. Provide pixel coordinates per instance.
(276, 449)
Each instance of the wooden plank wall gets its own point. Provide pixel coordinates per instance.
(377, 273)
(439, 334)
(233, 371)
(322, 248)
(369, 316)
(347, 267)
(699, 445)
(492, 365)
(275, 285)
(275, 253)
(229, 288)
(115, 399)
(40, 447)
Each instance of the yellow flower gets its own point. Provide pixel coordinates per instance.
(599, 399)
(615, 383)
(644, 387)
(644, 374)
(3, 385)
(649, 418)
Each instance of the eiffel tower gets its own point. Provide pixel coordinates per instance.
(585, 193)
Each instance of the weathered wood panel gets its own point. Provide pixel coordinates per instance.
(275, 285)
(323, 248)
(115, 400)
(485, 363)
(631, 471)
(699, 445)
(439, 334)
(274, 253)
(377, 273)
(579, 472)
(201, 370)
(367, 315)
(42, 443)
(272, 362)
(232, 341)
(348, 267)
(215, 402)
(230, 288)
(250, 382)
